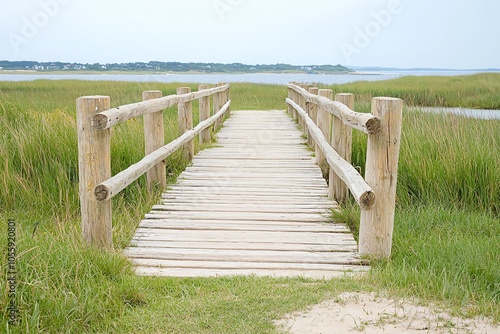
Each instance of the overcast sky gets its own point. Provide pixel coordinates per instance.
(457, 34)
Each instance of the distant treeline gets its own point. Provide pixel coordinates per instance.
(171, 67)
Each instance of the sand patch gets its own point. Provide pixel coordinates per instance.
(369, 313)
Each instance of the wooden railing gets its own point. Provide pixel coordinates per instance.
(94, 122)
(328, 126)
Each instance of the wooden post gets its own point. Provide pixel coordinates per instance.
(295, 98)
(312, 111)
(303, 104)
(324, 121)
(185, 117)
(227, 98)
(217, 101)
(290, 108)
(94, 167)
(342, 143)
(205, 135)
(154, 137)
(376, 226)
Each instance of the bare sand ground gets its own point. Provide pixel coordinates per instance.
(369, 313)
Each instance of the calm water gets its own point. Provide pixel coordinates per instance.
(267, 78)
(260, 78)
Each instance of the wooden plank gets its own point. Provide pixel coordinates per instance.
(242, 226)
(244, 265)
(246, 236)
(180, 197)
(259, 207)
(343, 247)
(218, 215)
(264, 256)
(244, 208)
(195, 272)
(255, 205)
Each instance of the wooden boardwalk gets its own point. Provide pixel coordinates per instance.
(254, 204)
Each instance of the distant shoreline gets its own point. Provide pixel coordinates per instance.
(87, 72)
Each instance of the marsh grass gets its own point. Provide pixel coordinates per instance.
(446, 240)
(478, 91)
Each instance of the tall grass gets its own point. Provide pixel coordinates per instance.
(447, 160)
(447, 228)
(479, 91)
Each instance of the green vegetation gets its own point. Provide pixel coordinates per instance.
(158, 66)
(446, 239)
(479, 91)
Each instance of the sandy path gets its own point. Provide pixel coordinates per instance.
(367, 313)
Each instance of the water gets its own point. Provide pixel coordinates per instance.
(259, 78)
(262, 78)
(465, 112)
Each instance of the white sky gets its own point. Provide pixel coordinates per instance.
(457, 34)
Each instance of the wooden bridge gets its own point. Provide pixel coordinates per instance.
(257, 202)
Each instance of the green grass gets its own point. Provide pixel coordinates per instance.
(479, 91)
(446, 238)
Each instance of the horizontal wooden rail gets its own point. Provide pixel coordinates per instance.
(109, 188)
(366, 123)
(114, 116)
(376, 193)
(94, 122)
(361, 191)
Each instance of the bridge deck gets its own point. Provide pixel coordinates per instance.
(254, 204)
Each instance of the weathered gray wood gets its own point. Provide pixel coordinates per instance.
(376, 226)
(245, 236)
(154, 136)
(324, 122)
(312, 111)
(204, 110)
(218, 102)
(342, 143)
(250, 216)
(244, 265)
(341, 247)
(245, 208)
(94, 166)
(239, 210)
(235, 225)
(185, 118)
(117, 183)
(195, 272)
(264, 256)
(366, 123)
(360, 190)
(111, 117)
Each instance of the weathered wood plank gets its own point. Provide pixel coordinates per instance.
(244, 265)
(158, 214)
(243, 255)
(340, 247)
(246, 236)
(256, 204)
(195, 272)
(241, 226)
